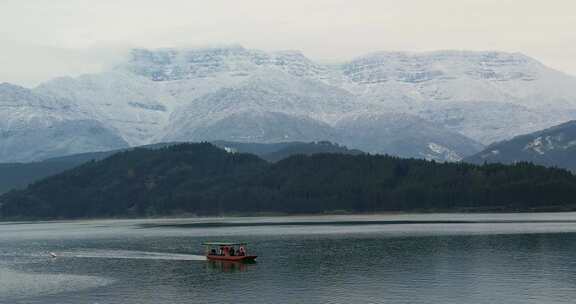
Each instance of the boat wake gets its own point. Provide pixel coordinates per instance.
(127, 254)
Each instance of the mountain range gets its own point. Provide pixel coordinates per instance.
(443, 105)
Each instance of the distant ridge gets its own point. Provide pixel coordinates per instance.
(552, 147)
(279, 151)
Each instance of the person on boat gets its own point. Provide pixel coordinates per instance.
(241, 251)
(231, 251)
(213, 251)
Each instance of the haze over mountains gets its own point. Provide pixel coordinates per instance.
(440, 105)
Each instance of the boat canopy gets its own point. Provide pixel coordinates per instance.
(225, 244)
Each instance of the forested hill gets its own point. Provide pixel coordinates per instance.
(20, 175)
(202, 179)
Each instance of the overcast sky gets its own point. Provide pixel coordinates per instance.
(40, 39)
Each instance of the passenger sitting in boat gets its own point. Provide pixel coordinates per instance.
(213, 251)
(231, 251)
(241, 251)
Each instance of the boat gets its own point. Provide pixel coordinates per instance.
(228, 251)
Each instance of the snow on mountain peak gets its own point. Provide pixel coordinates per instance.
(177, 64)
(440, 65)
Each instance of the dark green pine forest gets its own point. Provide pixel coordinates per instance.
(201, 179)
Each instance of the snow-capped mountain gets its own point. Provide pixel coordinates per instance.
(554, 146)
(436, 105)
(487, 96)
(35, 127)
(133, 106)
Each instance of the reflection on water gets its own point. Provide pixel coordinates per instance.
(520, 259)
(228, 266)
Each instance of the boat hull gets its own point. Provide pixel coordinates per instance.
(244, 258)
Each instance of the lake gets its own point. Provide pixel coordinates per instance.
(433, 258)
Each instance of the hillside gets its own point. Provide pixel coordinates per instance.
(205, 180)
(19, 175)
(552, 147)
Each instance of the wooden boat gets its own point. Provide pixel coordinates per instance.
(227, 251)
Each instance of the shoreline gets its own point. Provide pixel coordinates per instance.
(256, 216)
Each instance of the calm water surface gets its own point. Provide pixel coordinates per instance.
(519, 258)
